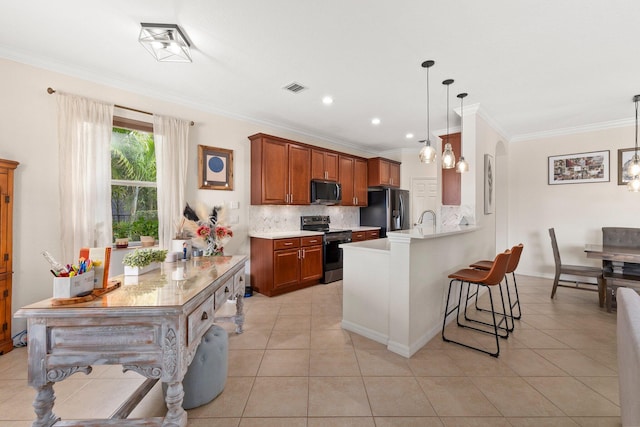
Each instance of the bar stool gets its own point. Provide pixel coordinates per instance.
(486, 278)
(516, 251)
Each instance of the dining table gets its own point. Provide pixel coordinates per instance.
(620, 268)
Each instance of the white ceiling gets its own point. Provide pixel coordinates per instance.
(532, 66)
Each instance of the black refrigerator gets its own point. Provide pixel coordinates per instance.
(388, 209)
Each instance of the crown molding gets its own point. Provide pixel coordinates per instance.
(573, 130)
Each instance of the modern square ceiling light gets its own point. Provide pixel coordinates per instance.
(165, 42)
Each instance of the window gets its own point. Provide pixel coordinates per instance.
(134, 204)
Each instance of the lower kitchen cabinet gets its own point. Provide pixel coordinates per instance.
(359, 236)
(284, 265)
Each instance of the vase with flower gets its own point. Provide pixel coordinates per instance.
(208, 229)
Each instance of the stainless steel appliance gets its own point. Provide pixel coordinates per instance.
(332, 253)
(388, 208)
(325, 193)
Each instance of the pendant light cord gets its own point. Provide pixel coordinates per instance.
(429, 125)
(461, 125)
(636, 152)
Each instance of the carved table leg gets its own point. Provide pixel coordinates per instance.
(43, 406)
(239, 317)
(176, 415)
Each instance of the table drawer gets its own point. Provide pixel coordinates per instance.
(223, 293)
(286, 243)
(311, 240)
(200, 319)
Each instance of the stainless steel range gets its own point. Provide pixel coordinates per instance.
(332, 253)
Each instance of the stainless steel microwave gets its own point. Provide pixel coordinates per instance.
(325, 193)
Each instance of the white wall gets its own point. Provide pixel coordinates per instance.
(28, 119)
(576, 211)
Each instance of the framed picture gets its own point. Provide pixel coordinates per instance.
(579, 168)
(215, 168)
(489, 179)
(625, 156)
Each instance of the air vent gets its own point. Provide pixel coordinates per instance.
(294, 87)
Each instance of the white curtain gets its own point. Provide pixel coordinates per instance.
(171, 137)
(84, 135)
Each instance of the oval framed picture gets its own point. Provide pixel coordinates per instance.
(215, 168)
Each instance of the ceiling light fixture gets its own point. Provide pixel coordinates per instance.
(634, 167)
(375, 121)
(462, 165)
(427, 153)
(166, 42)
(448, 158)
(327, 100)
(409, 135)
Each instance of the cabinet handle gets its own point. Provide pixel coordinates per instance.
(226, 289)
(303, 253)
(288, 243)
(299, 256)
(204, 316)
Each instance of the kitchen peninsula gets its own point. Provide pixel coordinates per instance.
(394, 289)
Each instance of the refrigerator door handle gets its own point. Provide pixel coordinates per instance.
(401, 225)
(338, 196)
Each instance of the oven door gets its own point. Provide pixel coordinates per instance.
(332, 254)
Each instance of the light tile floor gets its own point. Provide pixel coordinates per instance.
(294, 366)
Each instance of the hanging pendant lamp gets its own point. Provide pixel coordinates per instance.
(448, 158)
(427, 153)
(462, 165)
(634, 167)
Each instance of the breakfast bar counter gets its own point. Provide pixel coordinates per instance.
(394, 289)
(152, 325)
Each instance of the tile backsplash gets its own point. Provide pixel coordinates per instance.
(270, 218)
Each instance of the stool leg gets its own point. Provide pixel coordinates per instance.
(510, 328)
(447, 312)
(517, 301)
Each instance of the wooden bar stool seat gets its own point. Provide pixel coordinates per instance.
(516, 251)
(487, 278)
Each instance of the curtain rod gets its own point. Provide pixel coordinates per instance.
(51, 91)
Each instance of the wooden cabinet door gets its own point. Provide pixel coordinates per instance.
(4, 222)
(311, 263)
(286, 267)
(324, 165)
(299, 175)
(394, 175)
(346, 180)
(275, 174)
(360, 182)
(331, 166)
(451, 180)
(385, 172)
(5, 307)
(317, 164)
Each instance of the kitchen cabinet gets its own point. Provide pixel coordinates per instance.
(284, 265)
(6, 252)
(280, 171)
(360, 236)
(324, 165)
(383, 173)
(353, 178)
(452, 180)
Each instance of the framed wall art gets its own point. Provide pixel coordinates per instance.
(579, 168)
(625, 156)
(489, 179)
(215, 168)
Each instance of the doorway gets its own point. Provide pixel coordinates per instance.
(424, 196)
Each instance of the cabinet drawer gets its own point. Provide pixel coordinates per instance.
(286, 243)
(238, 283)
(373, 234)
(223, 293)
(311, 240)
(358, 236)
(200, 319)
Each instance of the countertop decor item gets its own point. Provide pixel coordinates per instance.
(208, 229)
(142, 261)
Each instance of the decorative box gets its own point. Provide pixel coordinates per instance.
(136, 271)
(69, 287)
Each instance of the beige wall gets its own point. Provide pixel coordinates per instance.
(576, 211)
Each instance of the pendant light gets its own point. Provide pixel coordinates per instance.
(427, 153)
(462, 165)
(634, 167)
(448, 158)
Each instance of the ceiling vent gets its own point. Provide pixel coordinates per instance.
(294, 87)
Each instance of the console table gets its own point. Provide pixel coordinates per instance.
(620, 267)
(151, 325)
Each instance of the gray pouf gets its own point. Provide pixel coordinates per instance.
(207, 373)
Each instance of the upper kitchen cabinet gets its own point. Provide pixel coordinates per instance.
(324, 165)
(280, 171)
(384, 173)
(353, 179)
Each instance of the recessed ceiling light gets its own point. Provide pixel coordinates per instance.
(327, 100)
(375, 121)
(409, 135)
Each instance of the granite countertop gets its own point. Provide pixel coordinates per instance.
(430, 232)
(362, 228)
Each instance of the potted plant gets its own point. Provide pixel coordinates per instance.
(121, 231)
(142, 261)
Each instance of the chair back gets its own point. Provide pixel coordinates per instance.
(621, 237)
(498, 270)
(556, 252)
(514, 259)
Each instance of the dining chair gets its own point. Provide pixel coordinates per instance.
(516, 251)
(489, 279)
(563, 270)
